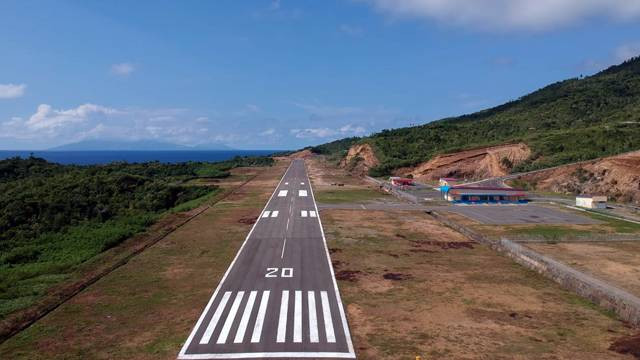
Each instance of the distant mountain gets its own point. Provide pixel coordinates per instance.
(140, 145)
(573, 120)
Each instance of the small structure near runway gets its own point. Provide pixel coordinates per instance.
(398, 181)
(591, 201)
(487, 195)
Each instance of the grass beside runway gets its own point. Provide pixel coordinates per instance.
(147, 308)
(348, 196)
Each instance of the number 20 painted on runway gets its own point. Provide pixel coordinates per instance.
(284, 272)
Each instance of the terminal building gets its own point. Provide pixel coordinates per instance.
(488, 195)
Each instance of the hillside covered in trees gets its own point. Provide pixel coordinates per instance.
(54, 217)
(572, 120)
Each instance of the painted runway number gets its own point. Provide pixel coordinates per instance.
(284, 272)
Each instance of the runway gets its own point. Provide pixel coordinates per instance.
(279, 297)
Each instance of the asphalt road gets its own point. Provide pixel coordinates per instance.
(279, 297)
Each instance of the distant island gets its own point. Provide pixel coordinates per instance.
(140, 145)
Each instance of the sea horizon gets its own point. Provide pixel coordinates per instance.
(100, 157)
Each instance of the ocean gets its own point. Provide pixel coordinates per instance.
(105, 157)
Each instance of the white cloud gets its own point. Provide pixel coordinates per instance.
(11, 91)
(122, 69)
(346, 130)
(537, 15)
(351, 30)
(47, 118)
(268, 132)
(627, 51)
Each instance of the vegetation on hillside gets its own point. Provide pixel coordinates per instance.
(573, 120)
(54, 217)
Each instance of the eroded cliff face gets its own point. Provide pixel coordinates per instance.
(618, 177)
(471, 164)
(360, 159)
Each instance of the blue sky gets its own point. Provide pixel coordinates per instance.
(285, 74)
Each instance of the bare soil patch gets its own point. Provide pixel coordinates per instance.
(615, 262)
(453, 298)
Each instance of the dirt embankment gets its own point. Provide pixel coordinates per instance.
(360, 159)
(618, 177)
(471, 164)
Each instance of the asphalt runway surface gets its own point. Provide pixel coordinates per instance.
(279, 297)
(519, 214)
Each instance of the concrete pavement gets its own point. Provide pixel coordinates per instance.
(279, 297)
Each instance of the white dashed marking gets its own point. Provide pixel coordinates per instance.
(244, 321)
(326, 314)
(266, 214)
(303, 213)
(262, 310)
(216, 317)
(282, 320)
(312, 213)
(302, 192)
(313, 320)
(283, 193)
(232, 315)
(275, 213)
(297, 318)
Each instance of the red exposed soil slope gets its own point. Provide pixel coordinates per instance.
(360, 159)
(472, 164)
(617, 177)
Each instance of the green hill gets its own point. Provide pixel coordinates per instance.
(572, 120)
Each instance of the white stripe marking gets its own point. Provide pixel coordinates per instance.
(286, 183)
(266, 214)
(302, 192)
(283, 193)
(297, 318)
(326, 314)
(232, 315)
(302, 183)
(262, 310)
(312, 213)
(275, 213)
(244, 321)
(303, 213)
(283, 246)
(313, 320)
(216, 317)
(282, 320)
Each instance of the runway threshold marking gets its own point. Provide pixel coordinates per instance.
(237, 318)
(282, 319)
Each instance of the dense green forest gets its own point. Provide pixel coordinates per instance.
(572, 120)
(54, 217)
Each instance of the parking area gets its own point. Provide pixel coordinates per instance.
(520, 214)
